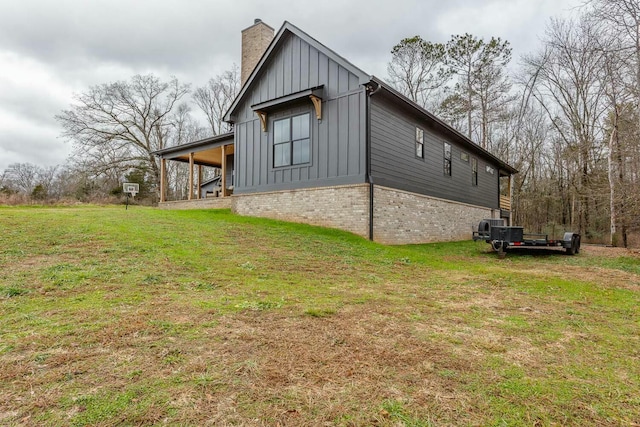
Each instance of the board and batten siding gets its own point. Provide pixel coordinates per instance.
(394, 162)
(337, 153)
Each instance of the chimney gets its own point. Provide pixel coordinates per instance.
(255, 41)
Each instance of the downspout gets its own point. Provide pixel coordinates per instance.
(369, 178)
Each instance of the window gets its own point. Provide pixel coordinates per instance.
(464, 156)
(489, 170)
(474, 171)
(419, 143)
(447, 159)
(291, 144)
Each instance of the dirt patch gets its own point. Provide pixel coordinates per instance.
(609, 251)
(338, 366)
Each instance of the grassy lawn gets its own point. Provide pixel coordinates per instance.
(138, 317)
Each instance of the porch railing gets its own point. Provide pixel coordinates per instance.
(505, 203)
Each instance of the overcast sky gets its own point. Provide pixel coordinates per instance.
(52, 49)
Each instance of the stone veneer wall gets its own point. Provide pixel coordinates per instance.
(208, 203)
(401, 217)
(342, 207)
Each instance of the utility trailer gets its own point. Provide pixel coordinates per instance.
(502, 237)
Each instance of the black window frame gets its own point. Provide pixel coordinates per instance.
(447, 158)
(474, 171)
(419, 142)
(291, 141)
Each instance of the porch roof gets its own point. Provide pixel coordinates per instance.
(205, 151)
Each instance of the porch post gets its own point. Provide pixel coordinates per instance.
(223, 179)
(163, 177)
(190, 176)
(510, 200)
(199, 182)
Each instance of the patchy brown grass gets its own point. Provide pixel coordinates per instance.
(295, 326)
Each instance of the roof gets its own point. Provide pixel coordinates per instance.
(365, 78)
(289, 28)
(441, 125)
(209, 181)
(211, 141)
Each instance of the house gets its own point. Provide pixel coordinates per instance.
(211, 187)
(318, 140)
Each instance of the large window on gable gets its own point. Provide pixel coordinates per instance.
(291, 140)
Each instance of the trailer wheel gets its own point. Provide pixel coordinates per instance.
(571, 250)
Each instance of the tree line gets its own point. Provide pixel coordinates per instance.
(567, 116)
(115, 128)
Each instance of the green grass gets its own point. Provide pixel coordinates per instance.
(142, 316)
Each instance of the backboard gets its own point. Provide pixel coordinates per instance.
(131, 188)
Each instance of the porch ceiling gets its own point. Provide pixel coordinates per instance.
(208, 157)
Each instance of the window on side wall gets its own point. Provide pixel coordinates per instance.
(419, 143)
(447, 159)
(291, 142)
(474, 171)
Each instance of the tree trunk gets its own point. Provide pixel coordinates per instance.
(469, 101)
(484, 126)
(612, 179)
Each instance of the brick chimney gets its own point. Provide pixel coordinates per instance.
(255, 41)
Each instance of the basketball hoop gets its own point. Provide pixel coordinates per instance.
(131, 189)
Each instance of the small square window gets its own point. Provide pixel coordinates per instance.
(489, 170)
(419, 142)
(464, 156)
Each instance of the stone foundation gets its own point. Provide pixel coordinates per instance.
(342, 207)
(401, 217)
(208, 203)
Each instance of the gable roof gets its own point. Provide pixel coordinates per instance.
(364, 78)
(286, 29)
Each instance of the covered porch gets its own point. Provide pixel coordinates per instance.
(215, 152)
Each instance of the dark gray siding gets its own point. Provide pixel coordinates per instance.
(337, 141)
(394, 163)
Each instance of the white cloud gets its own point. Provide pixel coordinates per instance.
(521, 22)
(49, 50)
(25, 142)
(30, 95)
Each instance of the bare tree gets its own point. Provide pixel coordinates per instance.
(569, 88)
(618, 23)
(215, 98)
(482, 83)
(623, 18)
(22, 177)
(120, 124)
(417, 69)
